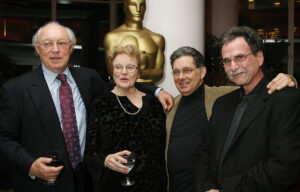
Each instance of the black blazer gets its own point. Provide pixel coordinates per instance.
(265, 151)
(30, 128)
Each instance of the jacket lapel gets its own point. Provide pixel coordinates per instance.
(252, 111)
(212, 94)
(227, 115)
(45, 107)
(169, 122)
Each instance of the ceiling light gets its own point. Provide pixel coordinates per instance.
(64, 2)
(251, 1)
(276, 3)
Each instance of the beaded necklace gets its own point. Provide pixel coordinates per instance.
(126, 110)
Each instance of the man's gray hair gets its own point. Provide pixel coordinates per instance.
(254, 41)
(188, 51)
(70, 32)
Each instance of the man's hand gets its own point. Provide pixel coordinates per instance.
(40, 169)
(280, 81)
(213, 190)
(166, 100)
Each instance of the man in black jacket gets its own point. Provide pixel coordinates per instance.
(252, 143)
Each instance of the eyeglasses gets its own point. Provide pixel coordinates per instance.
(129, 68)
(185, 71)
(47, 45)
(240, 58)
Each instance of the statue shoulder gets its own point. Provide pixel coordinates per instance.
(110, 36)
(115, 32)
(153, 33)
(158, 38)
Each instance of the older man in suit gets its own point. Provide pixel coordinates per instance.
(45, 111)
(252, 143)
(31, 118)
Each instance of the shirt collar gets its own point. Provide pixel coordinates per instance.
(254, 91)
(198, 92)
(50, 76)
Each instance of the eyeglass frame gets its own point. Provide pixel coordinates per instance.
(239, 58)
(184, 71)
(61, 44)
(127, 67)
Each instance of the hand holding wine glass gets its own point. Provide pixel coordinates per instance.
(57, 161)
(130, 164)
(121, 162)
(40, 169)
(114, 161)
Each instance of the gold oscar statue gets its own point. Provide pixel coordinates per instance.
(151, 45)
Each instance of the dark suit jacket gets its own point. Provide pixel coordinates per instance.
(5, 181)
(265, 151)
(30, 128)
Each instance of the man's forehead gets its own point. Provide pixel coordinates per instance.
(184, 61)
(53, 31)
(240, 40)
(236, 46)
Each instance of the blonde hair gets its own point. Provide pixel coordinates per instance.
(130, 50)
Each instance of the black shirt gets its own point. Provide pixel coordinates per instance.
(189, 122)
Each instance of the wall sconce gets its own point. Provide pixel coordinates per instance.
(4, 28)
(251, 4)
(276, 3)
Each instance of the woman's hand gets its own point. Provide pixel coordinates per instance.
(113, 162)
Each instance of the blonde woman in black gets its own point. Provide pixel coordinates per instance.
(126, 121)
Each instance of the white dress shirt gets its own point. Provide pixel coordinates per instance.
(54, 85)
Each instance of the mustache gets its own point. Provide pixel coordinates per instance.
(231, 73)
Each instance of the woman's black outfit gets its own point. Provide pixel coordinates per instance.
(112, 130)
